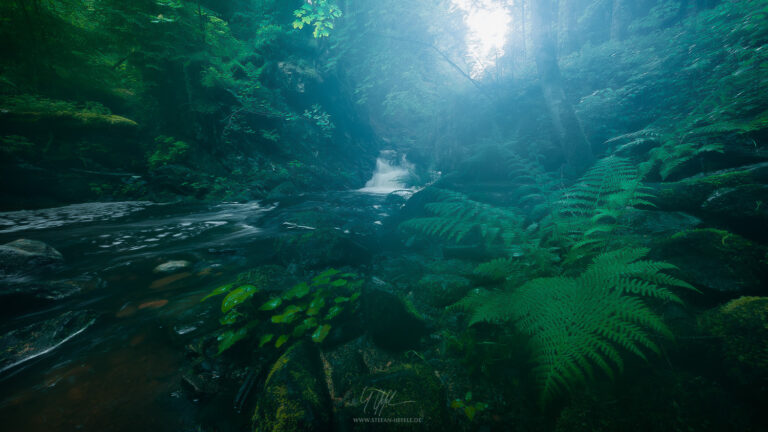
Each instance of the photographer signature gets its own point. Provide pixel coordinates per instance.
(379, 399)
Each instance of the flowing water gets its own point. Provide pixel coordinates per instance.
(119, 367)
(390, 175)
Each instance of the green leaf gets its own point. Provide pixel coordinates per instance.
(299, 330)
(265, 339)
(457, 403)
(339, 282)
(230, 337)
(341, 299)
(327, 274)
(333, 312)
(317, 302)
(321, 332)
(298, 291)
(468, 396)
(271, 304)
(281, 340)
(229, 318)
(470, 412)
(220, 290)
(288, 315)
(237, 296)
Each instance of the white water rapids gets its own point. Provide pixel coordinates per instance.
(388, 176)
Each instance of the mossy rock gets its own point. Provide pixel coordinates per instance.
(742, 326)
(689, 194)
(27, 256)
(743, 209)
(343, 366)
(392, 323)
(407, 396)
(441, 290)
(320, 248)
(295, 397)
(718, 261)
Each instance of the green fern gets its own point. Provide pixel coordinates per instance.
(589, 211)
(531, 260)
(581, 324)
(454, 216)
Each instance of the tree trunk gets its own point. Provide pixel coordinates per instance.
(566, 129)
(568, 19)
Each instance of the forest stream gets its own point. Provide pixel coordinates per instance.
(113, 350)
(384, 215)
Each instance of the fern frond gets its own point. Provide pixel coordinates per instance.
(580, 325)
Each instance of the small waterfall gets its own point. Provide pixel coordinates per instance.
(390, 175)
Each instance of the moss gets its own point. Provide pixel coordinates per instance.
(295, 397)
(716, 259)
(728, 179)
(742, 326)
(689, 194)
(712, 237)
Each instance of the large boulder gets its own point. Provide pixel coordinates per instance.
(643, 227)
(320, 248)
(24, 344)
(390, 322)
(295, 396)
(732, 199)
(20, 296)
(742, 209)
(27, 256)
(722, 263)
(741, 328)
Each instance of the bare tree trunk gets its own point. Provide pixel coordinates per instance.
(568, 35)
(567, 131)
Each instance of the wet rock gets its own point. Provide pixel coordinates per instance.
(295, 396)
(320, 248)
(658, 223)
(720, 262)
(734, 154)
(17, 297)
(27, 256)
(645, 227)
(441, 290)
(404, 396)
(742, 209)
(21, 345)
(689, 194)
(390, 322)
(172, 266)
(199, 385)
(344, 365)
(741, 328)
